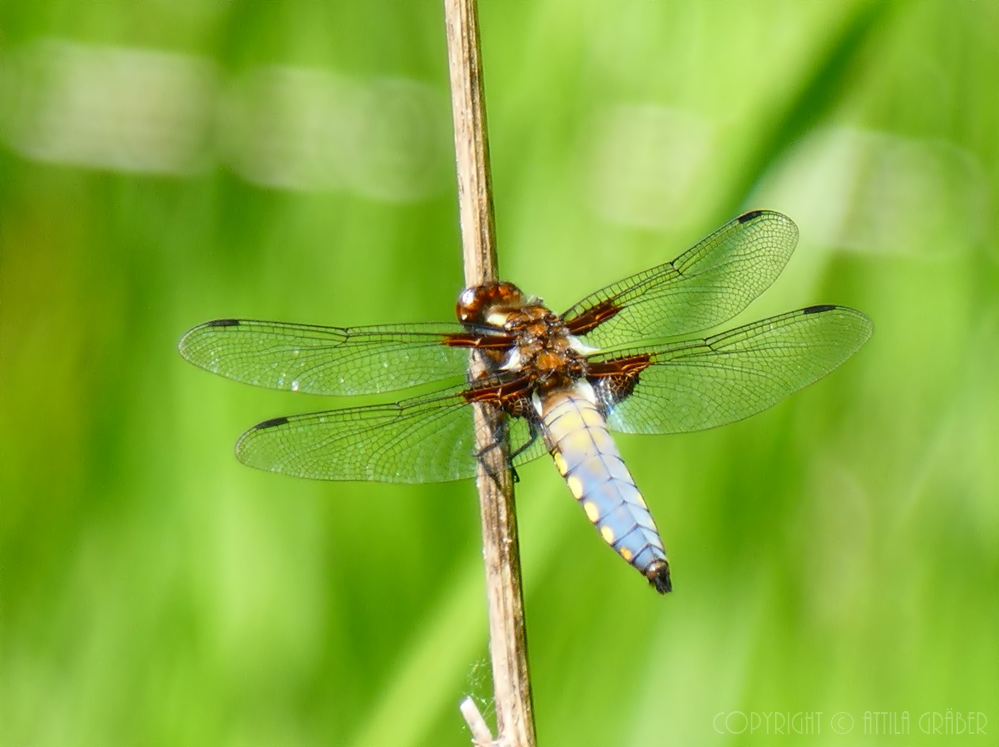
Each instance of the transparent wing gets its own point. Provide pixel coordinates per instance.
(326, 360)
(697, 384)
(422, 439)
(703, 287)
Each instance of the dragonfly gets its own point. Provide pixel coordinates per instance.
(623, 359)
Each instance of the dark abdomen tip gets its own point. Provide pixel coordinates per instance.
(658, 575)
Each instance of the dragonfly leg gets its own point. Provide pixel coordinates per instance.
(498, 440)
(528, 444)
(481, 453)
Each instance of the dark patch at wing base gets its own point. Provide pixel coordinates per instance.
(478, 342)
(615, 379)
(592, 318)
(630, 365)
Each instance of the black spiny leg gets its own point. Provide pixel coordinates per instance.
(535, 432)
(498, 436)
(503, 432)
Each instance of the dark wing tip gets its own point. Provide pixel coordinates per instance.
(270, 423)
(771, 215)
(819, 308)
(658, 575)
(192, 337)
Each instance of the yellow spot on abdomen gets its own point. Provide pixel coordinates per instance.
(592, 512)
(639, 500)
(568, 422)
(577, 441)
(560, 463)
(575, 486)
(626, 554)
(608, 534)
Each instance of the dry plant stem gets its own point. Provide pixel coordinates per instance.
(481, 736)
(501, 553)
(468, 106)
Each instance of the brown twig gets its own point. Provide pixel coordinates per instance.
(501, 553)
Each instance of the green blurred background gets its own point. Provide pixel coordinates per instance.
(164, 163)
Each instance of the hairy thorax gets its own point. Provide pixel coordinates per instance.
(543, 349)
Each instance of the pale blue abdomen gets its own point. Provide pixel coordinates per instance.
(584, 452)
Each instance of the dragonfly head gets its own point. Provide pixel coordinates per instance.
(490, 303)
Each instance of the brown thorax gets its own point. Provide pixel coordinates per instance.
(542, 346)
